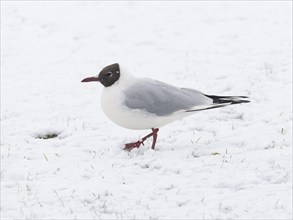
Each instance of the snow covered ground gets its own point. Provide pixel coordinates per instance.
(228, 163)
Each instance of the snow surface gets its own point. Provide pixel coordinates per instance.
(229, 163)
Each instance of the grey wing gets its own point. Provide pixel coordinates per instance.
(162, 99)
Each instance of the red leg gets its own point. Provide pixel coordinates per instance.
(155, 135)
(130, 146)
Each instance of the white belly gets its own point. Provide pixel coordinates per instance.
(117, 112)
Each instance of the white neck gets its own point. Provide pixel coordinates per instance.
(125, 77)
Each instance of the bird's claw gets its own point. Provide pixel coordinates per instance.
(130, 146)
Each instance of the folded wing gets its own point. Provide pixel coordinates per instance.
(162, 99)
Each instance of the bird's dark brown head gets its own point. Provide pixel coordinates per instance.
(108, 76)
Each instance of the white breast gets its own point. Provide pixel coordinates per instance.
(117, 112)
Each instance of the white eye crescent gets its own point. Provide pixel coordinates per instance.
(109, 74)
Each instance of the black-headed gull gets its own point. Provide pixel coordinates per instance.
(142, 103)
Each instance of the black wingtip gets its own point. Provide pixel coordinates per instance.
(228, 99)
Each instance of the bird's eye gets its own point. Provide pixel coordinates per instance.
(109, 74)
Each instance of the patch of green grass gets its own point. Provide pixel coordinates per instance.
(45, 157)
(215, 153)
(47, 136)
